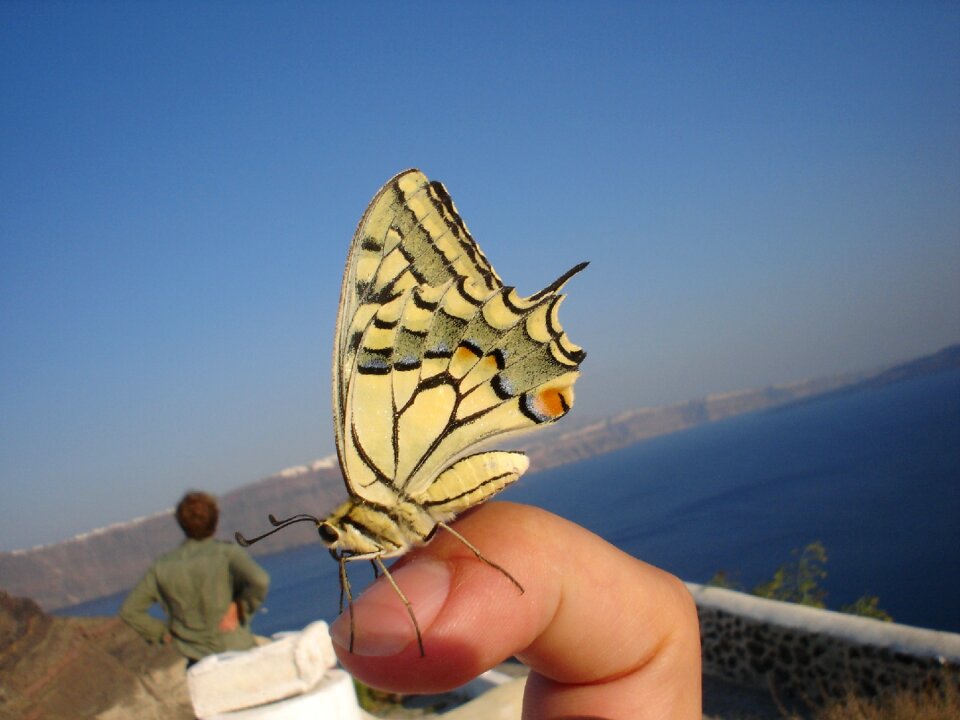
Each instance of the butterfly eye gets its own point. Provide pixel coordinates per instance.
(328, 534)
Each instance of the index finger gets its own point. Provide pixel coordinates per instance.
(605, 634)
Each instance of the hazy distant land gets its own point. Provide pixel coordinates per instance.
(111, 559)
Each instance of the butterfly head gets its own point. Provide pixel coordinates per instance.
(329, 535)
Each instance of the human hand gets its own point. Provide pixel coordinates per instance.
(231, 618)
(605, 635)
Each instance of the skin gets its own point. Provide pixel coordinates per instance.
(605, 635)
(231, 619)
(228, 623)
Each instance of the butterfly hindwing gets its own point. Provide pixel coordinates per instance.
(472, 480)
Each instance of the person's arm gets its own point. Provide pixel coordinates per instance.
(252, 581)
(605, 635)
(134, 611)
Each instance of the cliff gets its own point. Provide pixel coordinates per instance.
(63, 668)
(637, 425)
(110, 560)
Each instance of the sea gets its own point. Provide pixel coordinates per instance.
(872, 474)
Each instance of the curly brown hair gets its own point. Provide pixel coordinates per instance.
(197, 515)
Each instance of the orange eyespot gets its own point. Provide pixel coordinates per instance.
(552, 403)
(548, 404)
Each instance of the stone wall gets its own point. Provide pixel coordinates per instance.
(808, 655)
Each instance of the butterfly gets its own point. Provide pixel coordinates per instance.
(433, 357)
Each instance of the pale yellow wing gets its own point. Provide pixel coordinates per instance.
(470, 481)
(433, 355)
(410, 235)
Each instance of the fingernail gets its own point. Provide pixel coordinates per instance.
(382, 624)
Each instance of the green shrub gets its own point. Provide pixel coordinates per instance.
(720, 579)
(800, 581)
(867, 606)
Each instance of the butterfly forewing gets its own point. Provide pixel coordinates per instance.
(410, 235)
(434, 356)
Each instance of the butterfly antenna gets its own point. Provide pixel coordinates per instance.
(299, 516)
(277, 526)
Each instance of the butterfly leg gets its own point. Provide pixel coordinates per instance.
(480, 556)
(416, 625)
(345, 590)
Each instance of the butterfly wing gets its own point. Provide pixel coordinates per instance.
(410, 235)
(470, 481)
(433, 355)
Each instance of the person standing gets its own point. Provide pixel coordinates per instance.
(208, 589)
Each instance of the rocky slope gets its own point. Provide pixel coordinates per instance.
(55, 668)
(65, 668)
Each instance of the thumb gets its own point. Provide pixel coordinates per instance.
(604, 634)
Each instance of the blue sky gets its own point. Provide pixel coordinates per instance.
(766, 192)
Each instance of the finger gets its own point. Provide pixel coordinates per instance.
(604, 633)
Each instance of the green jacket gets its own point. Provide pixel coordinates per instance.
(195, 585)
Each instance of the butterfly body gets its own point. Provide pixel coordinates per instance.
(359, 529)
